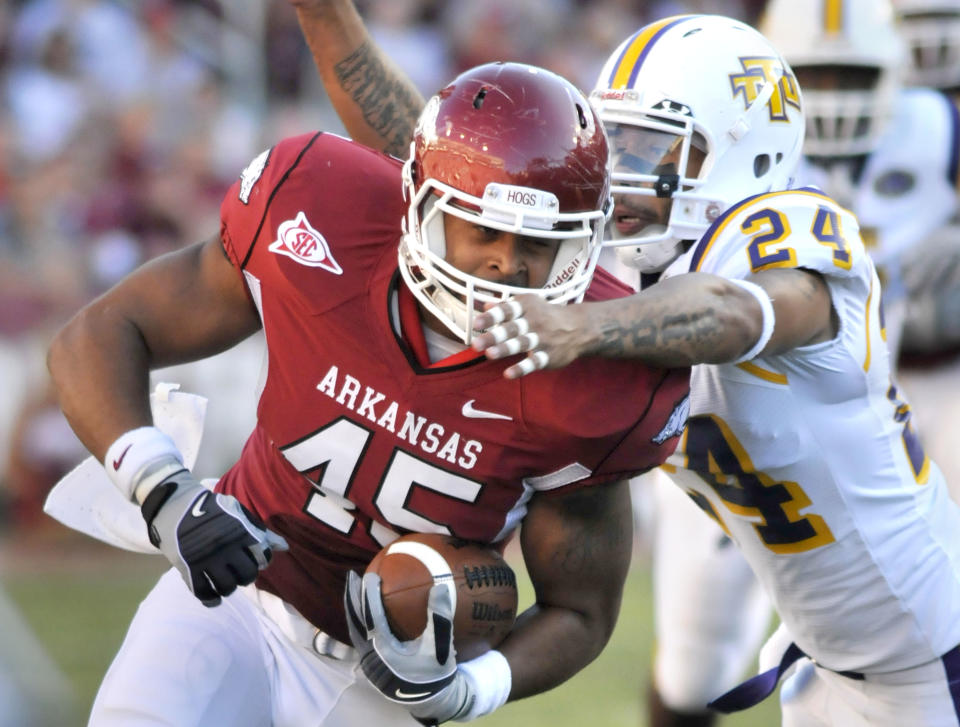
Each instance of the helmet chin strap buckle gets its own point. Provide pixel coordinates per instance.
(739, 129)
(741, 126)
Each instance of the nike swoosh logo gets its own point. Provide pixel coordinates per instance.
(471, 412)
(119, 460)
(198, 510)
(400, 694)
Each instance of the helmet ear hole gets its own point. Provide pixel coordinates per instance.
(582, 116)
(478, 99)
(761, 165)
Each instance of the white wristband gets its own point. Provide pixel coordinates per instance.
(128, 457)
(490, 679)
(769, 319)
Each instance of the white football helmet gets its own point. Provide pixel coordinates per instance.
(510, 147)
(856, 43)
(674, 91)
(931, 29)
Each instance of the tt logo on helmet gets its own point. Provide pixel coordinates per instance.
(297, 239)
(758, 71)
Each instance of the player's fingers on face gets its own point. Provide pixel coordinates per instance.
(524, 342)
(511, 338)
(536, 361)
(498, 313)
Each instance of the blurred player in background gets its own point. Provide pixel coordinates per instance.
(931, 29)
(886, 152)
(376, 418)
(930, 348)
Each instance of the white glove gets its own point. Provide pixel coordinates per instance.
(420, 674)
(213, 540)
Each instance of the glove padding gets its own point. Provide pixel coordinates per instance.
(213, 540)
(420, 674)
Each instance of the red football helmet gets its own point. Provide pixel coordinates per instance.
(515, 148)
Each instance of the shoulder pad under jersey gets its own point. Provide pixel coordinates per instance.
(800, 228)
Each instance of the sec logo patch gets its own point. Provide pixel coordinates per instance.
(297, 239)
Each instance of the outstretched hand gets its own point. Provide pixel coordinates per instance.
(551, 335)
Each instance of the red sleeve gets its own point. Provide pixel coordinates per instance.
(605, 286)
(244, 208)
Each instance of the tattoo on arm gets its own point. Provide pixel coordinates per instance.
(663, 334)
(591, 544)
(387, 104)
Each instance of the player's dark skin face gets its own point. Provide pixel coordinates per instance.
(498, 256)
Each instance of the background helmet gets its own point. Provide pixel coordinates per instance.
(707, 82)
(854, 42)
(515, 148)
(931, 29)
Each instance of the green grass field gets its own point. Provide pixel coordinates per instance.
(80, 597)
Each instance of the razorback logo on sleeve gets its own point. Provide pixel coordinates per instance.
(297, 239)
(676, 423)
(250, 175)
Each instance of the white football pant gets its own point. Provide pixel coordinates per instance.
(185, 665)
(816, 697)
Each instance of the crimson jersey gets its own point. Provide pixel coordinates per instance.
(358, 438)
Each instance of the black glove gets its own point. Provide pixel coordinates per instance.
(213, 540)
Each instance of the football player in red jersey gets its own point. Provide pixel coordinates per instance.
(376, 418)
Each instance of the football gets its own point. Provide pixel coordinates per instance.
(484, 588)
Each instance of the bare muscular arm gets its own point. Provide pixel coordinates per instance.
(577, 550)
(180, 307)
(376, 102)
(681, 321)
(702, 318)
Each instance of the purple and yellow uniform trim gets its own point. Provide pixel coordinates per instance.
(637, 48)
(718, 226)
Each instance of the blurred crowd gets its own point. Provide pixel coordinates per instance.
(122, 124)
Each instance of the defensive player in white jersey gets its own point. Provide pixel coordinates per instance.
(889, 155)
(798, 443)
